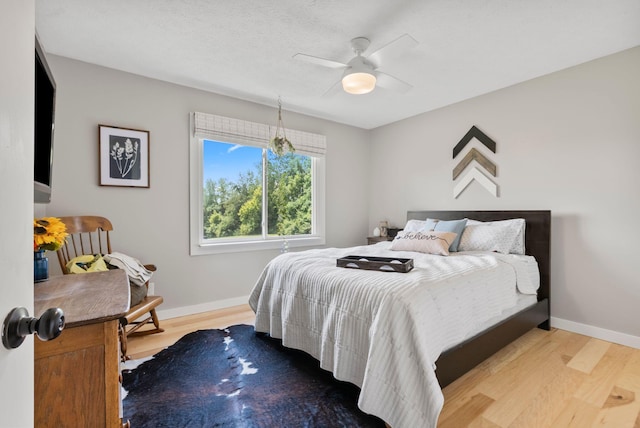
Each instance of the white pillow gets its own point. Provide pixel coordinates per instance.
(424, 242)
(503, 236)
(414, 225)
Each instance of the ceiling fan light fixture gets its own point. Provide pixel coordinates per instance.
(358, 83)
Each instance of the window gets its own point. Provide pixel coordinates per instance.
(243, 197)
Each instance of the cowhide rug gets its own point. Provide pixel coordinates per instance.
(237, 378)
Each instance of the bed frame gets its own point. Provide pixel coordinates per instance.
(458, 360)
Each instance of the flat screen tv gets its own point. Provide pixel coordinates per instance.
(45, 105)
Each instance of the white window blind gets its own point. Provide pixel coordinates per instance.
(230, 130)
(306, 143)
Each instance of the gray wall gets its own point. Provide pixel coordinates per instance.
(153, 224)
(568, 142)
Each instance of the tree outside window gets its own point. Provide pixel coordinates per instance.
(236, 194)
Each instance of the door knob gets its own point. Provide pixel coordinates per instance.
(18, 324)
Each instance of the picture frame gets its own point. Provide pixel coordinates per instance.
(123, 156)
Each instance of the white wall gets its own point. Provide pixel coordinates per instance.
(153, 224)
(568, 142)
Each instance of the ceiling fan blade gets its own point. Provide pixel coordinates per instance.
(333, 90)
(319, 61)
(387, 81)
(398, 45)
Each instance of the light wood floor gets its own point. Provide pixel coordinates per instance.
(544, 379)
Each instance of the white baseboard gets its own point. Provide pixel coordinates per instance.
(597, 332)
(202, 307)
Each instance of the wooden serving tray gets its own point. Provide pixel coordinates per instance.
(382, 264)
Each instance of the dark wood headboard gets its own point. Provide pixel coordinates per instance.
(537, 234)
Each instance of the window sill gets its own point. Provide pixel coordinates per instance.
(243, 246)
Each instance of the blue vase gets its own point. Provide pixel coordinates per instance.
(40, 266)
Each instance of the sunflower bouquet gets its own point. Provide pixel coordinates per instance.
(49, 233)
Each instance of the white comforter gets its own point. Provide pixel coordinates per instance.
(384, 331)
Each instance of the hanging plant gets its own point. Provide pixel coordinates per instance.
(280, 144)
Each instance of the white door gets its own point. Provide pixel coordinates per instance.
(17, 21)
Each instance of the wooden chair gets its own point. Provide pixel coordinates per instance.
(90, 235)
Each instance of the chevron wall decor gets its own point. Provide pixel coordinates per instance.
(474, 173)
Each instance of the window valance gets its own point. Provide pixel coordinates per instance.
(230, 130)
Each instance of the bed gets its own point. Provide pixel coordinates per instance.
(397, 339)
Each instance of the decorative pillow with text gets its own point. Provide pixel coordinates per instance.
(455, 226)
(424, 242)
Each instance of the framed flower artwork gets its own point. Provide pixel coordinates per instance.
(124, 157)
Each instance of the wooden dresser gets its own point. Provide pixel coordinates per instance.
(77, 375)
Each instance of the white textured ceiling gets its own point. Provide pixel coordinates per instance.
(244, 48)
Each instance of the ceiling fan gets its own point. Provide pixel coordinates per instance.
(361, 74)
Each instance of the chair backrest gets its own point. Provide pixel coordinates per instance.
(87, 235)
